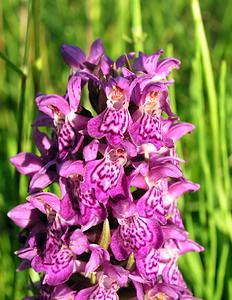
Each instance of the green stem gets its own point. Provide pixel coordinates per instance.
(223, 135)
(210, 84)
(12, 65)
(137, 30)
(21, 104)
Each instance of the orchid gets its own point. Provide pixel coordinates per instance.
(116, 228)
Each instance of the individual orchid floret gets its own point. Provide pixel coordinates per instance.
(77, 60)
(113, 122)
(134, 232)
(60, 261)
(78, 206)
(66, 116)
(150, 64)
(109, 282)
(153, 178)
(148, 122)
(106, 176)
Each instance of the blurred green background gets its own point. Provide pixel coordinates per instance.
(31, 33)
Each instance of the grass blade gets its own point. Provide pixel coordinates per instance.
(137, 30)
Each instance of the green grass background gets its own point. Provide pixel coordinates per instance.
(200, 34)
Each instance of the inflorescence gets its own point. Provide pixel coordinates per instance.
(115, 230)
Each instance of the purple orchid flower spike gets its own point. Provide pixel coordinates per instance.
(113, 122)
(116, 230)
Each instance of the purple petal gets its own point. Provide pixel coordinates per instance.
(150, 62)
(50, 104)
(177, 189)
(147, 129)
(118, 249)
(78, 242)
(67, 210)
(26, 163)
(44, 201)
(63, 292)
(117, 273)
(103, 175)
(74, 92)
(147, 262)
(179, 130)
(94, 126)
(42, 179)
(98, 256)
(187, 246)
(174, 232)
(42, 141)
(43, 120)
(150, 205)
(172, 275)
(110, 123)
(86, 293)
(73, 55)
(61, 268)
(161, 289)
(26, 253)
(133, 234)
(167, 170)
(90, 151)
(130, 148)
(166, 65)
(23, 215)
(71, 168)
(96, 51)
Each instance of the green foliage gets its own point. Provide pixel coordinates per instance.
(31, 33)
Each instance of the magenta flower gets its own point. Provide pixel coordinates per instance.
(115, 230)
